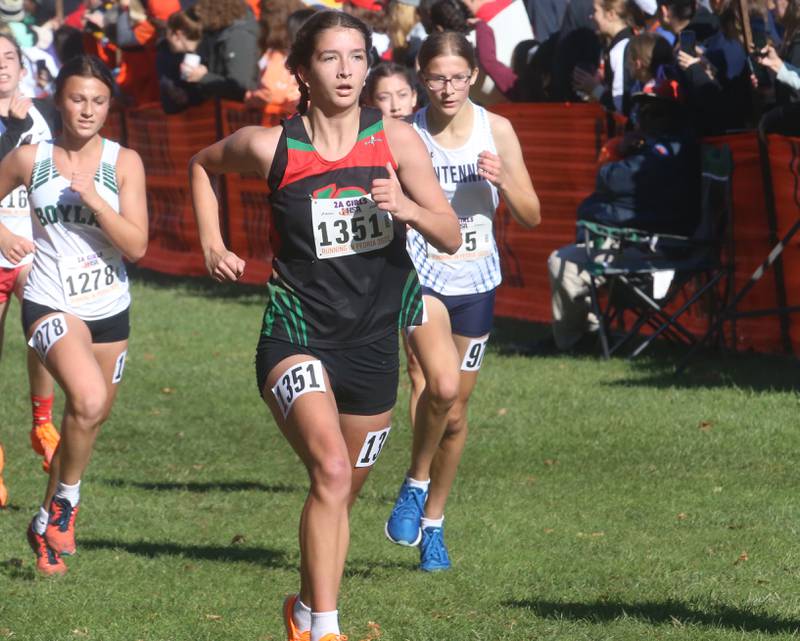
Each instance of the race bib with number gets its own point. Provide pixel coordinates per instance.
(372, 447)
(346, 226)
(298, 380)
(119, 367)
(16, 204)
(476, 240)
(48, 333)
(473, 358)
(91, 277)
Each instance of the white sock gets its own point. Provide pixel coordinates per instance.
(70, 492)
(40, 521)
(323, 623)
(426, 522)
(301, 615)
(421, 485)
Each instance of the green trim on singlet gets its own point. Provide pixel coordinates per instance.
(285, 306)
(107, 174)
(298, 145)
(410, 295)
(42, 172)
(370, 131)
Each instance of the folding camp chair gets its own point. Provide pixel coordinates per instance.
(645, 274)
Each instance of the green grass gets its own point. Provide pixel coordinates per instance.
(596, 500)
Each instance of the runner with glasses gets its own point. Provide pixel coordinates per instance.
(477, 158)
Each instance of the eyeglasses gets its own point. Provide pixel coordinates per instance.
(438, 83)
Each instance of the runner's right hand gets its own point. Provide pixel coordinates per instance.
(15, 248)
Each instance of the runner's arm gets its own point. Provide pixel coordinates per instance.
(247, 151)
(515, 183)
(15, 170)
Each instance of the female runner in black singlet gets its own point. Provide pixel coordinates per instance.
(327, 358)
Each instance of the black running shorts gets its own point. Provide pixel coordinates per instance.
(104, 330)
(364, 378)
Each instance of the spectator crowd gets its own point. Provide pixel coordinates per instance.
(183, 52)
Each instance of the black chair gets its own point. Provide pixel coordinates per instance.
(644, 274)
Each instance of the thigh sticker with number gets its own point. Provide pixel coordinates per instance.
(298, 380)
(119, 368)
(474, 355)
(372, 447)
(48, 333)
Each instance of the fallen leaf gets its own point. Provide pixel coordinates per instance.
(167, 390)
(5, 632)
(214, 617)
(705, 426)
(550, 461)
(239, 538)
(742, 558)
(681, 516)
(198, 466)
(549, 530)
(502, 411)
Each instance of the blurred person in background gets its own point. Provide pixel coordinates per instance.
(652, 183)
(405, 30)
(182, 36)
(613, 20)
(373, 14)
(228, 51)
(277, 91)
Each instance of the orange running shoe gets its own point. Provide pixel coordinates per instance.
(60, 532)
(44, 440)
(292, 633)
(3, 488)
(48, 561)
(334, 637)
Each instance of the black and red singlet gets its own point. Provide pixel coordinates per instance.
(341, 274)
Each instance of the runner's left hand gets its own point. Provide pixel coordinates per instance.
(490, 166)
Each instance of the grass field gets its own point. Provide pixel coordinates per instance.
(596, 500)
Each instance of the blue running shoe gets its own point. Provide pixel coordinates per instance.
(433, 552)
(403, 524)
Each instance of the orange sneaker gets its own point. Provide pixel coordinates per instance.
(334, 637)
(292, 633)
(60, 532)
(44, 440)
(48, 561)
(3, 488)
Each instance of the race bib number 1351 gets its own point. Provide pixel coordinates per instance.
(349, 225)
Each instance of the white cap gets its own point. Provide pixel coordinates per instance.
(650, 7)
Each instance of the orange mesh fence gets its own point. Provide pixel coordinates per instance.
(784, 156)
(166, 143)
(560, 145)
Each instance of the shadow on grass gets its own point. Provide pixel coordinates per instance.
(656, 613)
(200, 488)
(266, 557)
(711, 369)
(18, 569)
(656, 367)
(200, 285)
(365, 568)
